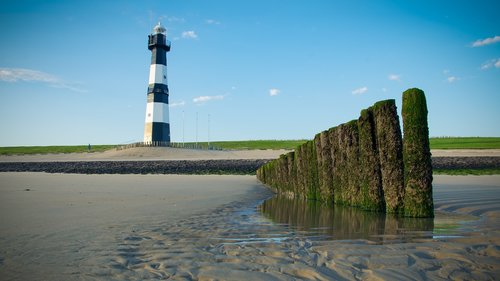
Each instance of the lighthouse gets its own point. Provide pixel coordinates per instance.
(157, 127)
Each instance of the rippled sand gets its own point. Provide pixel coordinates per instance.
(153, 227)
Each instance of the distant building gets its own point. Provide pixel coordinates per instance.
(157, 127)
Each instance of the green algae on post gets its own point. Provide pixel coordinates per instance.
(361, 164)
(390, 147)
(418, 200)
(372, 196)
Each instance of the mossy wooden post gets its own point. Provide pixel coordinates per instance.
(371, 194)
(349, 143)
(296, 179)
(312, 172)
(418, 201)
(262, 173)
(265, 175)
(282, 169)
(354, 164)
(319, 163)
(335, 152)
(341, 195)
(323, 156)
(301, 166)
(292, 172)
(345, 157)
(390, 148)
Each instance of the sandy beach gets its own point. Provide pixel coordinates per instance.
(154, 227)
(149, 153)
(163, 153)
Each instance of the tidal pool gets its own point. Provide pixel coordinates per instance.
(318, 221)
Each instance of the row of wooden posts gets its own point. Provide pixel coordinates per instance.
(364, 163)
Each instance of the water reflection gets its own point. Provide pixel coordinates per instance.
(343, 223)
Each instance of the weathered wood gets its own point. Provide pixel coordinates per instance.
(418, 200)
(360, 163)
(371, 193)
(390, 148)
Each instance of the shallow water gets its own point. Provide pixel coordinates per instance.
(270, 234)
(317, 221)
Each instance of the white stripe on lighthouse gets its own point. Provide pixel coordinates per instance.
(158, 74)
(157, 112)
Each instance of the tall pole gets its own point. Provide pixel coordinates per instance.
(208, 146)
(196, 129)
(183, 128)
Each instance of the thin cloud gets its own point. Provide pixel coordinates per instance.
(202, 99)
(15, 75)
(274, 92)
(491, 63)
(394, 77)
(175, 19)
(212, 21)
(190, 34)
(452, 79)
(360, 91)
(176, 104)
(153, 17)
(487, 41)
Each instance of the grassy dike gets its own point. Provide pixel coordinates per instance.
(465, 143)
(435, 143)
(21, 150)
(466, 172)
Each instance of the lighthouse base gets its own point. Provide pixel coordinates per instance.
(157, 134)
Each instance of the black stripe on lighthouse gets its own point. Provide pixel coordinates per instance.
(158, 88)
(159, 56)
(158, 97)
(161, 131)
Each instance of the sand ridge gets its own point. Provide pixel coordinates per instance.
(149, 153)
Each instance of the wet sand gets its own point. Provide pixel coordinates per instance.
(153, 227)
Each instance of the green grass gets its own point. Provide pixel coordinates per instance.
(465, 172)
(13, 150)
(253, 144)
(435, 143)
(464, 143)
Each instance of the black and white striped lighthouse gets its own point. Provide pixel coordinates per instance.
(157, 127)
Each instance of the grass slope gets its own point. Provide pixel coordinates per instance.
(13, 150)
(253, 144)
(465, 143)
(435, 143)
(466, 172)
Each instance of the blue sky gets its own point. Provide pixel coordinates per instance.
(76, 72)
